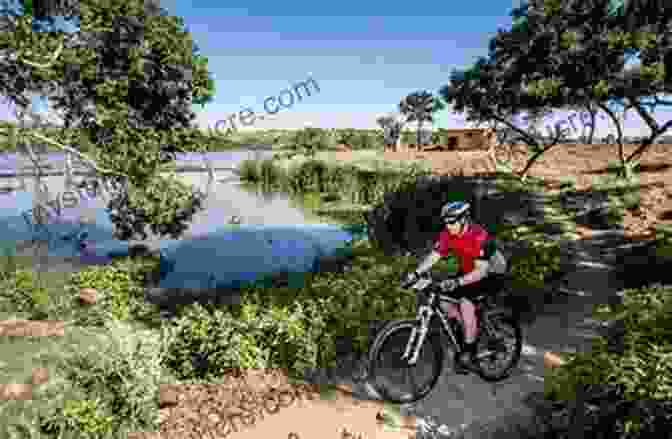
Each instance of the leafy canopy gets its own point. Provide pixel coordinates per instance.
(561, 54)
(124, 85)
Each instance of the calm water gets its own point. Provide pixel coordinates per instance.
(227, 197)
(275, 234)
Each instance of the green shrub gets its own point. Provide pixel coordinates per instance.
(347, 136)
(121, 288)
(251, 336)
(23, 292)
(108, 385)
(293, 328)
(310, 140)
(638, 365)
(269, 173)
(309, 176)
(533, 264)
(249, 171)
(84, 416)
(409, 138)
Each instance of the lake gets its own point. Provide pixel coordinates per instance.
(227, 197)
(275, 232)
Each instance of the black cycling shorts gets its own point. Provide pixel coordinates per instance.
(491, 285)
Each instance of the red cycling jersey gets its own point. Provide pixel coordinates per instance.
(467, 247)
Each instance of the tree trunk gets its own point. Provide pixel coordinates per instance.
(625, 169)
(419, 130)
(591, 136)
(69, 180)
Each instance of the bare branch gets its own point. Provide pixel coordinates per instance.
(637, 106)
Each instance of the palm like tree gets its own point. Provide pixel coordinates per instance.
(420, 107)
(391, 126)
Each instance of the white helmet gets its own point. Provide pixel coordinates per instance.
(456, 212)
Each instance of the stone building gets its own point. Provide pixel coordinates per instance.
(465, 139)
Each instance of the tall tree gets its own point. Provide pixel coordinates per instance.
(392, 126)
(420, 107)
(563, 54)
(125, 85)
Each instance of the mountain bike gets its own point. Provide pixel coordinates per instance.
(409, 346)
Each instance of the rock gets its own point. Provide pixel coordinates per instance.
(553, 360)
(88, 296)
(21, 392)
(31, 328)
(168, 396)
(40, 376)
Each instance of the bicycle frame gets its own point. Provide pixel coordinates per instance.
(425, 314)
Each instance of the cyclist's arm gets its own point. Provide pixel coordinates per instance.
(428, 262)
(481, 264)
(480, 272)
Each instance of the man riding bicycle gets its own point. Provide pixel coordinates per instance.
(478, 259)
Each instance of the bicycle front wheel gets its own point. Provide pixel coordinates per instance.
(392, 377)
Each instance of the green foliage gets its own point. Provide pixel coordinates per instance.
(249, 171)
(142, 79)
(440, 136)
(639, 367)
(353, 183)
(544, 87)
(310, 140)
(289, 327)
(121, 289)
(21, 290)
(109, 386)
(346, 136)
(82, 415)
(561, 58)
(534, 263)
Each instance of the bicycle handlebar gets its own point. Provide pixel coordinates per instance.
(432, 283)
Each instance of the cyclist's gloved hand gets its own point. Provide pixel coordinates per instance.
(449, 285)
(410, 279)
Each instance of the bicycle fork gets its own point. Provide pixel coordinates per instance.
(425, 314)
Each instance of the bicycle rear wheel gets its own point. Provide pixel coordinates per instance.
(500, 352)
(393, 378)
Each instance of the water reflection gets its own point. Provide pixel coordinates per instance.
(228, 199)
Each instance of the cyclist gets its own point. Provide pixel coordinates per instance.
(479, 264)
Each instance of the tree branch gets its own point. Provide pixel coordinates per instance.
(51, 61)
(621, 153)
(650, 121)
(90, 162)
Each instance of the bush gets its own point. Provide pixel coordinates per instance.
(249, 171)
(310, 140)
(121, 287)
(22, 292)
(534, 263)
(108, 386)
(637, 365)
(288, 327)
(205, 343)
(347, 136)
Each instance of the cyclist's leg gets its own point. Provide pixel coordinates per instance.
(451, 310)
(468, 310)
(469, 321)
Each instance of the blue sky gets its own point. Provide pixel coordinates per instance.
(365, 56)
